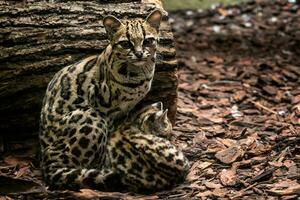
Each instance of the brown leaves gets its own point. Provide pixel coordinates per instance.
(238, 102)
(16, 176)
(284, 187)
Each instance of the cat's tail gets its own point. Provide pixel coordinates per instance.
(75, 178)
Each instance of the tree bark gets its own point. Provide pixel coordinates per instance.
(38, 38)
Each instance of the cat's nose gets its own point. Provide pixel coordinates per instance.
(139, 54)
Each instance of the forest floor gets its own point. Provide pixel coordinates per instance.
(196, 4)
(238, 118)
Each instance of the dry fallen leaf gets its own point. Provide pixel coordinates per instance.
(200, 138)
(22, 171)
(228, 177)
(227, 142)
(289, 163)
(229, 155)
(197, 185)
(215, 59)
(87, 194)
(286, 187)
(247, 142)
(196, 169)
(275, 163)
(259, 149)
(5, 198)
(13, 160)
(223, 12)
(239, 95)
(215, 146)
(213, 130)
(220, 192)
(192, 175)
(204, 194)
(212, 185)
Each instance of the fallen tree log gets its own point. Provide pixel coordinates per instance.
(38, 38)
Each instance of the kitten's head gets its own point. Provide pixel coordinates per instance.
(134, 40)
(156, 121)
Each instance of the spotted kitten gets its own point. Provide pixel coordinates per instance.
(154, 120)
(139, 153)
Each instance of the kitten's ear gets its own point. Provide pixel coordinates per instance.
(162, 116)
(165, 115)
(154, 19)
(158, 105)
(158, 116)
(111, 24)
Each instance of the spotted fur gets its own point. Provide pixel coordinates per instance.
(142, 156)
(88, 101)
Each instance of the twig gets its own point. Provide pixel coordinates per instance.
(286, 191)
(285, 142)
(264, 175)
(259, 105)
(281, 156)
(241, 192)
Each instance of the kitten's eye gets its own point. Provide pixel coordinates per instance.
(148, 41)
(151, 118)
(125, 44)
(165, 124)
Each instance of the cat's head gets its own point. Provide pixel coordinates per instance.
(134, 40)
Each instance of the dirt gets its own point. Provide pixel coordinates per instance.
(238, 117)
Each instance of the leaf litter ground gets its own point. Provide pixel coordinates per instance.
(238, 117)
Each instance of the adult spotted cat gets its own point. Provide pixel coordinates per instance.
(87, 101)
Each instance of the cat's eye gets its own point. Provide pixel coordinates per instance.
(148, 41)
(125, 44)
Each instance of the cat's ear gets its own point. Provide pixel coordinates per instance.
(111, 24)
(158, 105)
(154, 19)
